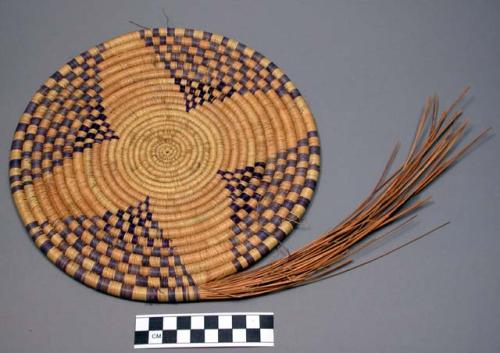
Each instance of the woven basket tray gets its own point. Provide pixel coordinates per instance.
(161, 160)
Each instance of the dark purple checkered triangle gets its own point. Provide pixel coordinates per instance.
(96, 129)
(135, 215)
(197, 93)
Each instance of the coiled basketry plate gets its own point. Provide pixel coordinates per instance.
(163, 159)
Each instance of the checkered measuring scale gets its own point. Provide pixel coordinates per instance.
(204, 330)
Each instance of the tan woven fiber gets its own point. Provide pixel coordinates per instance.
(163, 159)
(158, 165)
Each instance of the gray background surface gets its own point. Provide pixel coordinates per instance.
(365, 69)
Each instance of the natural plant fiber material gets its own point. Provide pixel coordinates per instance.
(158, 164)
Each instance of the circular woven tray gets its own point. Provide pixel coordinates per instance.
(161, 160)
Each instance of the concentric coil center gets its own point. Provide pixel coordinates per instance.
(163, 149)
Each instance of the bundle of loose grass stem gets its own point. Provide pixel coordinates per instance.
(434, 149)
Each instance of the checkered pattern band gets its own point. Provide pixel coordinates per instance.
(204, 330)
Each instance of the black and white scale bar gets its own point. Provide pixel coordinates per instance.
(204, 330)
